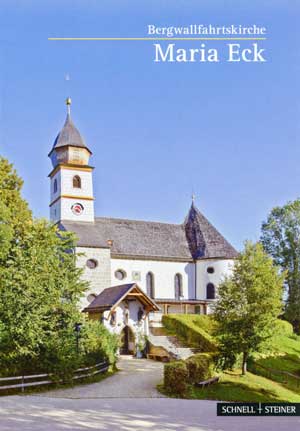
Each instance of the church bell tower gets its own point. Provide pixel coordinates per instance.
(71, 182)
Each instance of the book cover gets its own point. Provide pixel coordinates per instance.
(149, 215)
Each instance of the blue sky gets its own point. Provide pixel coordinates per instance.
(228, 132)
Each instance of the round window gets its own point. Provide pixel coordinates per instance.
(210, 270)
(120, 274)
(91, 263)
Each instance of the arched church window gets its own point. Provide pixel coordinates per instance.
(178, 286)
(210, 291)
(77, 182)
(55, 186)
(150, 285)
(210, 270)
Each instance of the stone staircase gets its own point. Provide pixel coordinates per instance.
(159, 339)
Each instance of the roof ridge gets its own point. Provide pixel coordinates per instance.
(138, 221)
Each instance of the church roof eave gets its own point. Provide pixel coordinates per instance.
(111, 297)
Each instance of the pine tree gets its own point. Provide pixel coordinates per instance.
(248, 305)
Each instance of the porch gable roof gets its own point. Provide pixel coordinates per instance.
(110, 297)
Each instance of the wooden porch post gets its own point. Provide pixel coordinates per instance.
(185, 308)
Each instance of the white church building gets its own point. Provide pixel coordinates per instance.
(137, 270)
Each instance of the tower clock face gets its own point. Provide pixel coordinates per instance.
(77, 208)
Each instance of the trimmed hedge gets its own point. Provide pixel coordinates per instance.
(200, 367)
(178, 375)
(189, 329)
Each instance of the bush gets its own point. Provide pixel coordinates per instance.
(98, 344)
(282, 327)
(189, 329)
(179, 375)
(176, 377)
(59, 357)
(200, 367)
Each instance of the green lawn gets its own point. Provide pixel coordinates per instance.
(248, 388)
(281, 353)
(235, 387)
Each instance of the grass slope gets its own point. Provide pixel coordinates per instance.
(282, 353)
(249, 388)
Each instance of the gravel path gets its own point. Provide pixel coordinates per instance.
(137, 378)
(32, 413)
(126, 401)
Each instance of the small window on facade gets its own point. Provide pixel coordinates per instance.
(77, 182)
(197, 309)
(120, 274)
(92, 263)
(55, 186)
(113, 318)
(210, 270)
(178, 286)
(91, 297)
(150, 285)
(210, 291)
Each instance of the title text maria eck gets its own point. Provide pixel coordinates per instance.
(233, 53)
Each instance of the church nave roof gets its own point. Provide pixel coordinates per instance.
(196, 238)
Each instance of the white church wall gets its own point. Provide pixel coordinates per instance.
(221, 267)
(55, 194)
(55, 211)
(164, 274)
(99, 278)
(67, 213)
(61, 209)
(67, 183)
(138, 328)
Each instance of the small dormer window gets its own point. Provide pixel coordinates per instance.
(55, 186)
(77, 182)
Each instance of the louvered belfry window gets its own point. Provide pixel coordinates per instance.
(77, 182)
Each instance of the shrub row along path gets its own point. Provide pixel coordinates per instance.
(136, 378)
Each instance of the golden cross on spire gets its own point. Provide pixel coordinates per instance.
(68, 103)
